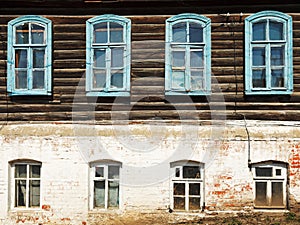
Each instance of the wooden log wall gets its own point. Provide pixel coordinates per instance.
(147, 100)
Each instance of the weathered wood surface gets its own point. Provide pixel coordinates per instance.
(147, 100)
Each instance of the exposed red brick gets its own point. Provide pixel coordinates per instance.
(46, 207)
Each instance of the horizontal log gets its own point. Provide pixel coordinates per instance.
(69, 45)
(69, 54)
(148, 28)
(69, 64)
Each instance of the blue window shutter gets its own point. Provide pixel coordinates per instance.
(203, 86)
(286, 42)
(12, 46)
(106, 47)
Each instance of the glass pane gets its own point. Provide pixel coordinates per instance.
(196, 58)
(99, 194)
(99, 58)
(178, 58)
(20, 171)
(116, 80)
(35, 171)
(276, 30)
(277, 194)
(34, 193)
(258, 56)
(261, 193)
(117, 55)
(178, 80)
(277, 78)
(179, 189)
(278, 172)
(99, 80)
(21, 79)
(20, 193)
(113, 194)
(179, 203)
(38, 58)
(259, 78)
(194, 189)
(38, 79)
(277, 56)
(197, 80)
(100, 33)
(179, 32)
(116, 33)
(22, 34)
(259, 31)
(263, 172)
(191, 172)
(177, 172)
(196, 32)
(21, 58)
(113, 172)
(99, 172)
(37, 34)
(194, 203)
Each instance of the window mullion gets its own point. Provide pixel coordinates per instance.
(268, 66)
(269, 192)
(186, 183)
(108, 68)
(30, 68)
(106, 187)
(27, 187)
(187, 77)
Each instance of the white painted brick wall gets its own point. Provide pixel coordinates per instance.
(145, 152)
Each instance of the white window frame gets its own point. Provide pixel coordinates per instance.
(177, 167)
(269, 180)
(93, 178)
(13, 185)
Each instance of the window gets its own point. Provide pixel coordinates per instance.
(187, 186)
(188, 55)
(268, 49)
(108, 56)
(26, 184)
(29, 56)
(105, 185)
(270, 181)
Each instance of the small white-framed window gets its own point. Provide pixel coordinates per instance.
(270, 184)
(105, 185)
(26, 184)
(187, 186)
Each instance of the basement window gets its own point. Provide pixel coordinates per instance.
(105, 186)
(270, 181)
(26, 184)
(187, 186)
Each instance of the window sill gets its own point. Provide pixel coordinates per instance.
(203, 93)
(107, 94)
(25, 210)
(20, 93)
(268, 92)
(104, 211)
